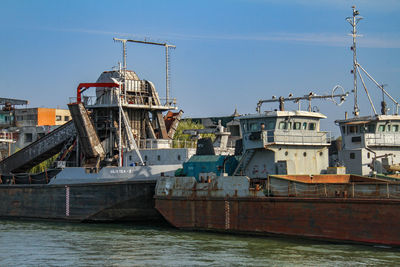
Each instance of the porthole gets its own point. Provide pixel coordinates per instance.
(286, 153)
(321, 153)
(305, 154)
(368, 155)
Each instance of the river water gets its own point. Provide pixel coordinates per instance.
(30, 243)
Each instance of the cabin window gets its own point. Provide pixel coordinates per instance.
(353, 129)
(254, 127)
(352, 155)
(304, 126)
(344, 129)
(282, 125)
(296, 126)
(179, 157)
(66, 118)
(395, 128)
(28, 137)
(58, 118)
(234, 130)
(381, 128)
(311, 126)
(371, 128)
(270, 125)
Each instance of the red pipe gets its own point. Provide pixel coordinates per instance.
(83, 86)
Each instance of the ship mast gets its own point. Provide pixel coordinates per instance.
(357, 68)
(353, 22)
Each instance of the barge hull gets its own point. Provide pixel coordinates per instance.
(117, 201)
(368, 221)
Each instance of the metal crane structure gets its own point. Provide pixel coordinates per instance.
(167, 60)
(125, 114)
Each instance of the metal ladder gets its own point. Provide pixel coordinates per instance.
(131, 140)
(247, 156)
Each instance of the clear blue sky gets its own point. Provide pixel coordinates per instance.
(229, 53)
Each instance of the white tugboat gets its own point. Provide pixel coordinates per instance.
(285, 142)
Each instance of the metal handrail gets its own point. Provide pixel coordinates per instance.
(329, 190)
(300, 137)
(154, 143)
(382, 139)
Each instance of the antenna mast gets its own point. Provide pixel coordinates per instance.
(353, 22)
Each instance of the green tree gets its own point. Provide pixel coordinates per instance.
(180, 138)
(47, 164)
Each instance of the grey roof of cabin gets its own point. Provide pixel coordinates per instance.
(291, 113)
(366, 119)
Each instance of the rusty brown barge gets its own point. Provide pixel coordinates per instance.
(343, 208)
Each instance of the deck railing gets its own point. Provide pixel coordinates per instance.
(383, 139)
(283, 188)
(296, 137)
(165, 143)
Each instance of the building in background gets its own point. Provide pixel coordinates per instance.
(41, 117)
(20, 127)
